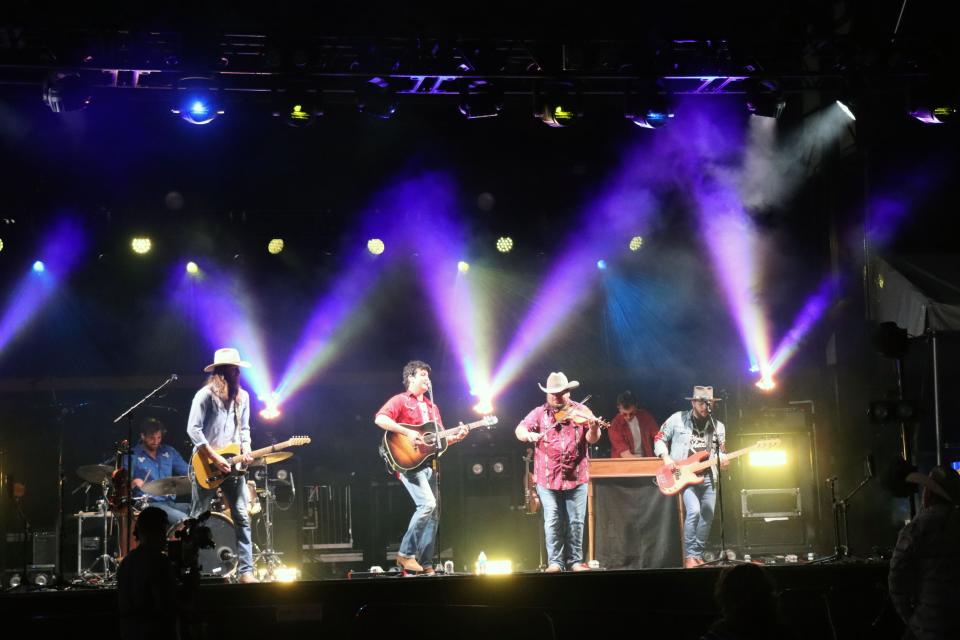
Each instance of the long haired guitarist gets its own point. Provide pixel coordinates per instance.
(413, 408)
(220, 417)
(687, 433)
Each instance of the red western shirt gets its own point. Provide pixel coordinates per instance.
(560, 458)
(621, 437)
(405, 409)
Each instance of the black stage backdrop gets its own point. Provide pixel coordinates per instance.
(636, 527)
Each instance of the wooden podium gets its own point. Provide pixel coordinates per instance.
(621, 468)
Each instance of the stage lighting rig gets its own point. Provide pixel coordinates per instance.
(647, 107)
(480, 99)
(764, 98)
(377, 98)
(66, 92)
(197, 100)
(558, 104)
(504, 244)
(298, 106)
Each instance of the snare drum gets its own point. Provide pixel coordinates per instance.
(220, 560)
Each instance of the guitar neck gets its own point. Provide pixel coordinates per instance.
(709, 462)
(470, 426)
(259, 453)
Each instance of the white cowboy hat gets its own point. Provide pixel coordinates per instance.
(228, 356)
(703, 393)
(943, 481)
(557, 383)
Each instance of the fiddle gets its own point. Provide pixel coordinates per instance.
(579, 415)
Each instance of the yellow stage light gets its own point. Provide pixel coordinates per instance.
(496, 568)
(767, 458)
(504, 244)
(635, 243)
(375, 246)
(275, 246)
(141, 245)
(193, 268)
(463, 267)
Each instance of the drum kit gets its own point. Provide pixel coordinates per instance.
(218, 561)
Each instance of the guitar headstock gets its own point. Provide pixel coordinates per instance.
(296, 441)
(489, 421)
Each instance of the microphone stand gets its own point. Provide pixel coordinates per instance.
(436, 470)
(721, 559)
(128, 414)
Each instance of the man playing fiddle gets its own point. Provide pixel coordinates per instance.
(561, 430)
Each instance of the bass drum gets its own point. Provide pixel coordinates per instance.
(220, 560)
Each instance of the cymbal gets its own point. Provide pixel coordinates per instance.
(95, 473)
(174, 485)
(271, 458)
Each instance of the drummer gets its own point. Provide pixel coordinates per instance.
(153, 460)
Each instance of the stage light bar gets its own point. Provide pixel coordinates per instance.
(495, 568)
(846, 110)
(197, 101)
(767, 458)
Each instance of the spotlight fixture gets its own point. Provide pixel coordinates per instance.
(504, 244)
(764, 98)
(1, 244)
(648, 107)
(766, 384)
(476, 469)
(635, 243)
(66, 92)
(601, 264)
(193, 268)
(275, 246)
(463, 267)
(141, 245)
(377, 98)
(298, 106)
(892, 411)
(846, 110)
(375, 246)
(557, 104)
(480, 99)
(934, 102)
(197, 100)
(39, 267)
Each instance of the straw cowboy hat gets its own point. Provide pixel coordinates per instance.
(942, 480)
(703, 393)
(557, 383)
(228, 356)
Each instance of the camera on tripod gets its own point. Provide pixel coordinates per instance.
(189, 538)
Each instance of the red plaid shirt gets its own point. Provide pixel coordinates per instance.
(560, 458)
(405, 409)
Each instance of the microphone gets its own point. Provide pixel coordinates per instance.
(173, 377)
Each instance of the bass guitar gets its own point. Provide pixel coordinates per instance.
(672, 479)
(210, 477)
(401, 454)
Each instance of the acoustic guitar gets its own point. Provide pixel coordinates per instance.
(673, 480)
(401, 454)
(210, 477)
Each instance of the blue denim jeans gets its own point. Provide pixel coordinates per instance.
(234, 490)
(421, 535)
(564, 512)
(698, 503)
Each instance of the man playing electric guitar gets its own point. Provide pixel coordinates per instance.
(414, 407)
(683, 434)
(220, 416)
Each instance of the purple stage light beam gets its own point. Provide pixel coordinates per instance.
(60, 252)
(811, 312)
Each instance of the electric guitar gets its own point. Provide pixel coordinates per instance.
(210, 477)
(401, 454)
(673, 480)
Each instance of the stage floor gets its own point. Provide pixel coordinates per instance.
(819, 601)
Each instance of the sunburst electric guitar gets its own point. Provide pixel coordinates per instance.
(673, 480)
(402, 455)
(210, 477)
